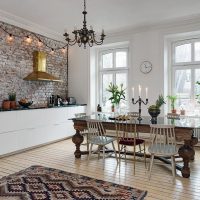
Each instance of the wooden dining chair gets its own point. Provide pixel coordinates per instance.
(127, 137)
(163, 143)
(97, 136)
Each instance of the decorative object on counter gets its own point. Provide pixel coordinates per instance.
(71, 100)
(117, 94)
(173, 99)
(12, 99)
(154, 110)
(25, 103)
(6, 104)
(140, 101)
(84, 36)
(99, 108)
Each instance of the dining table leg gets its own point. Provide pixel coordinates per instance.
(186, 152)
(77, 139)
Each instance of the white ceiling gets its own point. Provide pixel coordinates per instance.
(112, 15)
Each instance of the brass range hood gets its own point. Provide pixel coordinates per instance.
(39, 69)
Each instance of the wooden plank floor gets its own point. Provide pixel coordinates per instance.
(60, 155)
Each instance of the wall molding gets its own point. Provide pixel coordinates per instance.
(178, 22)
(29, 26)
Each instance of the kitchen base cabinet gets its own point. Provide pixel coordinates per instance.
(29, 128)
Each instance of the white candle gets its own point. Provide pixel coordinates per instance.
(140, 89)
(133, 91)
(146, 93)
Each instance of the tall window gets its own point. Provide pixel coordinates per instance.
(185, 74)
(113, 68)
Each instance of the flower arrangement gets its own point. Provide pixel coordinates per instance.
(117, 93)
(173, 99)
(159, 102)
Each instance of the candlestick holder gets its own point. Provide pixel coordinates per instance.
(139, 101)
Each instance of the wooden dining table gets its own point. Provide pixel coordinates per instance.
(183, 129)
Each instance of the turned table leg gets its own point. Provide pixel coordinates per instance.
(77, 139)
(187, 153)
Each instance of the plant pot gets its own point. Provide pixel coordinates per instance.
(112, 108)
(182, 112)
(6, 105)
(13, 105)
(154, 114)
(173, 111)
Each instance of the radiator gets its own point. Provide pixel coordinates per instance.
(196, 133)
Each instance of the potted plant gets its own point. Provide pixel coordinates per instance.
(154, 110)
(6, 104)
(117, 94)
(12, 99)
(173, 99)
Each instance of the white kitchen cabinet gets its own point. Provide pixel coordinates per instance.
(24, 129)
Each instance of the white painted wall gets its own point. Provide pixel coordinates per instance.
(145, 44)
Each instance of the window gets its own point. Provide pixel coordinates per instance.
(185, 74)
(113, 68)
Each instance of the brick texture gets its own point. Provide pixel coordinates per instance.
(16, 62)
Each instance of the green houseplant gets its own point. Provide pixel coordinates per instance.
(12, 99)
(154, 110)
(173, 99)
(117, 94)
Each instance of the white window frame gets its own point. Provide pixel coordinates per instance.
(193, 65)
(113, 70)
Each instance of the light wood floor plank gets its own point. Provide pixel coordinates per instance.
(61, 156)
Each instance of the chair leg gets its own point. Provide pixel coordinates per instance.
(103, 155)
(90, 151)
(173, 166)
(99, 151)
(114, 151)
(139, 144)
(87, 142)
(145, 161)
(134, 148)
(151, 165)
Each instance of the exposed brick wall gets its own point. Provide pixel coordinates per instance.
(16, 62)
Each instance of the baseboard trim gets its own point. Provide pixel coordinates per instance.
(33, 147)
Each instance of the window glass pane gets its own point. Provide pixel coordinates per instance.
(196, 86)
(107, 60)
(183, 83)
(183, 53)
(121, 59)
(197, 51)
(121, 78)
(106, 80)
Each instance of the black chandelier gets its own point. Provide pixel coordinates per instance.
(84, 36)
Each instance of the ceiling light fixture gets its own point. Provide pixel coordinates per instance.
(84, 36)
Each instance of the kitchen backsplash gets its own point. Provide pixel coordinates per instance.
(16, 62)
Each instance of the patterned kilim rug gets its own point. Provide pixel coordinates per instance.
(42, 183)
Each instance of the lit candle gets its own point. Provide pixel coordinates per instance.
(133, 91)
(140, 89)
(146, 93)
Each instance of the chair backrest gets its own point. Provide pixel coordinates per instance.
(173, 116)
(162, 134)
(95, 128)
(125, 127)
(78, 115)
